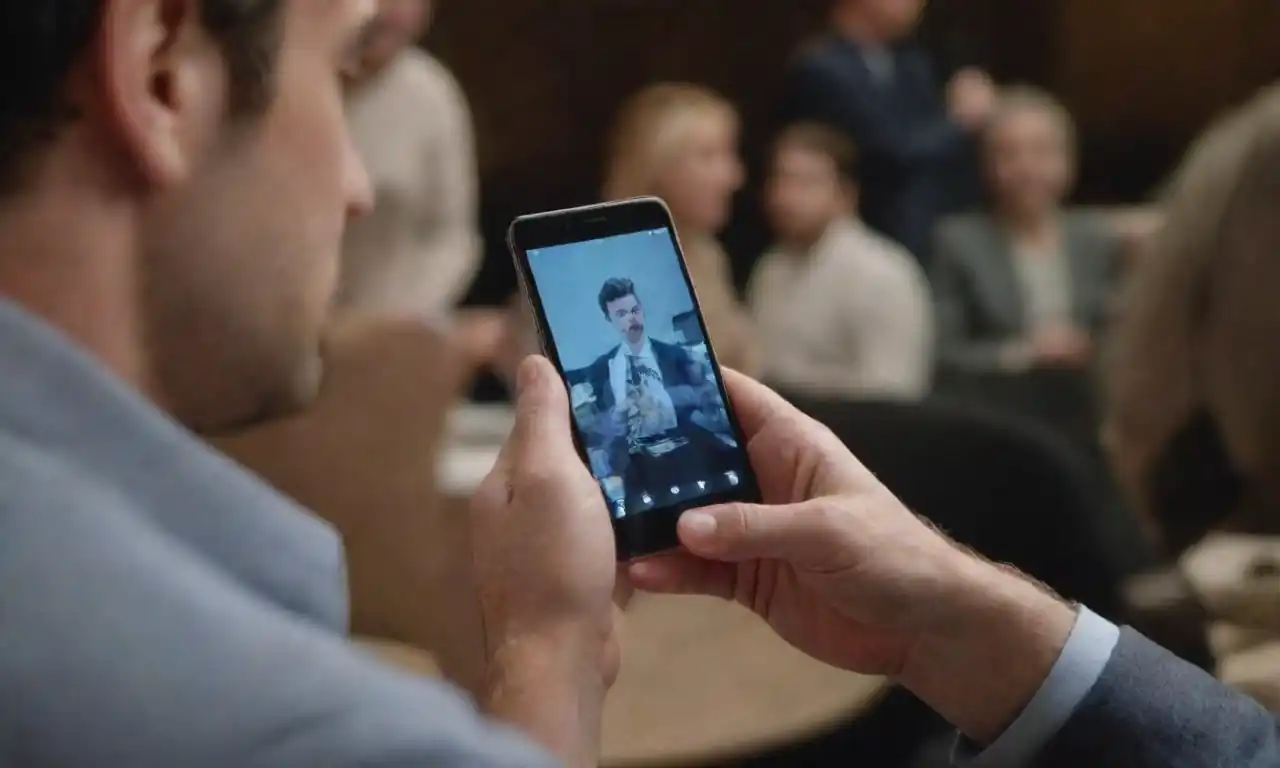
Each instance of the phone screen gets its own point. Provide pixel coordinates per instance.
(648, 402)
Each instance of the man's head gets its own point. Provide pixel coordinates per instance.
(1030, 152)
(195, 158)
(879, 21)
(621, 306)
(400, 24)
(812, 183)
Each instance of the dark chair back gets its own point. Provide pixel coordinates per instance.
(1013, 492)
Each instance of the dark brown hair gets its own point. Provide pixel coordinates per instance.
(615, 288)
(825, 141)
(41, 40)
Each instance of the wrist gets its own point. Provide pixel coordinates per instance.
(552, 685)
(1003, 634)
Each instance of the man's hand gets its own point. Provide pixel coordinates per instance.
(971, 98)
(841, 570)
(1062, 347)
(616, 423)
(545, 568)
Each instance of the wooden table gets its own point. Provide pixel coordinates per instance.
(703, 681)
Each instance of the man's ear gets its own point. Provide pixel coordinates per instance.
(161, 85)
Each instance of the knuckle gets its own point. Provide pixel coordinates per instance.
(744, 522)
(539, 478)
(493, 494)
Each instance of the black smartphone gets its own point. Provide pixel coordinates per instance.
(617, 314)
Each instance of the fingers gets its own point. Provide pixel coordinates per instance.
(683, 574)
(755, 404)
(806, 535)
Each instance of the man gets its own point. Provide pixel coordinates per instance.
(419, 249)
(843, 312)
(176, 176)
(1027, 284)
(167, 609)
(646, 392)
(869, 82)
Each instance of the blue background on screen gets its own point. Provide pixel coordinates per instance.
(569, 278)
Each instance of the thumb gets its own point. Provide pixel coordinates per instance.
(804, 535)
(542, 411)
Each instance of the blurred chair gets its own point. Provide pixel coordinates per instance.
(1010, 490)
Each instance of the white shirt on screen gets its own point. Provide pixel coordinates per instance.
(660, 417)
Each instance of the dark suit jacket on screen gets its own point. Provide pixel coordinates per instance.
(915, 164)
(674, 364)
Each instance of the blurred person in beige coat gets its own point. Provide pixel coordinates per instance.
(1194, 424)
(419, 249)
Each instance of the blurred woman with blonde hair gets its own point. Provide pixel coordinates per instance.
(679, 142)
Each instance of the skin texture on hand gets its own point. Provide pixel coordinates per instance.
(544, 565)
(841, 570)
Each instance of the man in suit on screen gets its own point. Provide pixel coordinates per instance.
(649, 397)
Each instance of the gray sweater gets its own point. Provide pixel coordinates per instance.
(161, 607)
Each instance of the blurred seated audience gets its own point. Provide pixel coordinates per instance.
(868, 79)
(680, 142)
(419, 250)
(842, 312)
(1025, 284)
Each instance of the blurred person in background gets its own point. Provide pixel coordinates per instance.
(1194, 418)
(680, 142)
(419, 250)
(1194, 393)
(1025, 284)
(842, 311)
(175, 179)
(868, 79)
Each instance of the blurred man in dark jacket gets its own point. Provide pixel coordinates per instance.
(868, 79)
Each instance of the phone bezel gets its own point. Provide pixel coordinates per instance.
(654, 530)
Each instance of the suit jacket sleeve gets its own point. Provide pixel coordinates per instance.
(824, 92)
(1152, 710)
(958, 350)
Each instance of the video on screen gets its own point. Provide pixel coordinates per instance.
(646, 400)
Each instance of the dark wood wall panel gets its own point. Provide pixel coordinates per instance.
(545, 76)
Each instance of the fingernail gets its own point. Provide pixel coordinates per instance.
(639, 570)
(699, 524)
